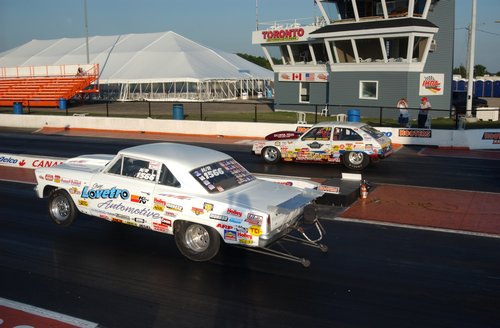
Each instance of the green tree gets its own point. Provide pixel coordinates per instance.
(460, 71)
(257, 60)
(480, 70)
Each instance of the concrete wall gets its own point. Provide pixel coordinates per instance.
(473, 139)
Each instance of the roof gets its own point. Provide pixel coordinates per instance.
(138, 58)
(186, 156)
(375, 25)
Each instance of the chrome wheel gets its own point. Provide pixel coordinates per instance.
(356, 158)
(197, 238)
(60, 208)
(271, 155)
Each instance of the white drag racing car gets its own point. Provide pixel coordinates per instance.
(353, 144)
(201, 196)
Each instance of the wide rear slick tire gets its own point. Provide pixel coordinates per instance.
(356, 161)
(62, 209)
(196, 241)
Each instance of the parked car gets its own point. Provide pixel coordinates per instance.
(199, 195)
(353, 144)
(459, 103)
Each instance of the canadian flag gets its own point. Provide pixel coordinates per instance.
(297, 76)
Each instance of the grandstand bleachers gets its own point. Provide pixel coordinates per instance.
(44, 91)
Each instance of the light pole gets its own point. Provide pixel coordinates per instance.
(470, 57)
(86, 30)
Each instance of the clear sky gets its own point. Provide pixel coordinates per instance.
(222, 24)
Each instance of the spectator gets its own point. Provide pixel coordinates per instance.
(80, 72)
(425, 105)
(404, 115)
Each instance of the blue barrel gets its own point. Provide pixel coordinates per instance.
(178, 112)
(18, 108)
(62, 103)
(353, 115)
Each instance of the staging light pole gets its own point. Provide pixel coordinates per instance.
(470, 56)
(86, 30)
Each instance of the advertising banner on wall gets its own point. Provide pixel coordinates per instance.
(431, 84)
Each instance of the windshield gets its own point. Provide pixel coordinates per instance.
(374, 133)
(220, 176)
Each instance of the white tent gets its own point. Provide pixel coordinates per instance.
(152, 66)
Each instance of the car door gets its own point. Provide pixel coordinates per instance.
(314, 145)
(124, 192)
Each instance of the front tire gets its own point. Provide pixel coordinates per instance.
(271, 155)
(197, 242)
(62, 209)
(355, 160)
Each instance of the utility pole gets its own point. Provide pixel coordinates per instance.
(256, 15)
(470, 56)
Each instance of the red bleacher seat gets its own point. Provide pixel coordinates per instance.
(43, 91)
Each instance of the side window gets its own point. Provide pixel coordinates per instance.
(140, 169)
(350, 135)
(167, 178)
(318, 133)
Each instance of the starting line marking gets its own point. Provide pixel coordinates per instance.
(15, 314)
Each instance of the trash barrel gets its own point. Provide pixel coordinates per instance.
(178, 112)
(18, 108)
(62, 103)
(353, 115)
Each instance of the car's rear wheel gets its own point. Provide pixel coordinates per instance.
(355, 160)
(197, 242)
(271, 155)
(62, 209)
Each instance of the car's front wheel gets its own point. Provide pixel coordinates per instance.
(197, 242)
(62, 209)
(355, 160)
(271, 155)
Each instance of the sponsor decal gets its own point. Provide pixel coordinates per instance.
(245, 241)
(66, 180)
(234, 212)
(8, 160)
(170, 214)
(431, 84)
(244, 236)
(208, 207)
(174, 196)
(197, 211)
(77, 183)
(82, 202)
(74, 191)
(254, 219)
(166, 222)
(138, 199)
(44, 163)
(230, 235)
(224, 226)
(104, 193)
(139, 220)
(159, 204)
(115, 206)
(49, 177)
(255, 231)
(160, 227)
(415, 133)
(494, 136)
(235, 220)
(219, 217)
(174, 207)
(315, 145)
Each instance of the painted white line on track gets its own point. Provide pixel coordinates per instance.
(409, 226)
(39, 312)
